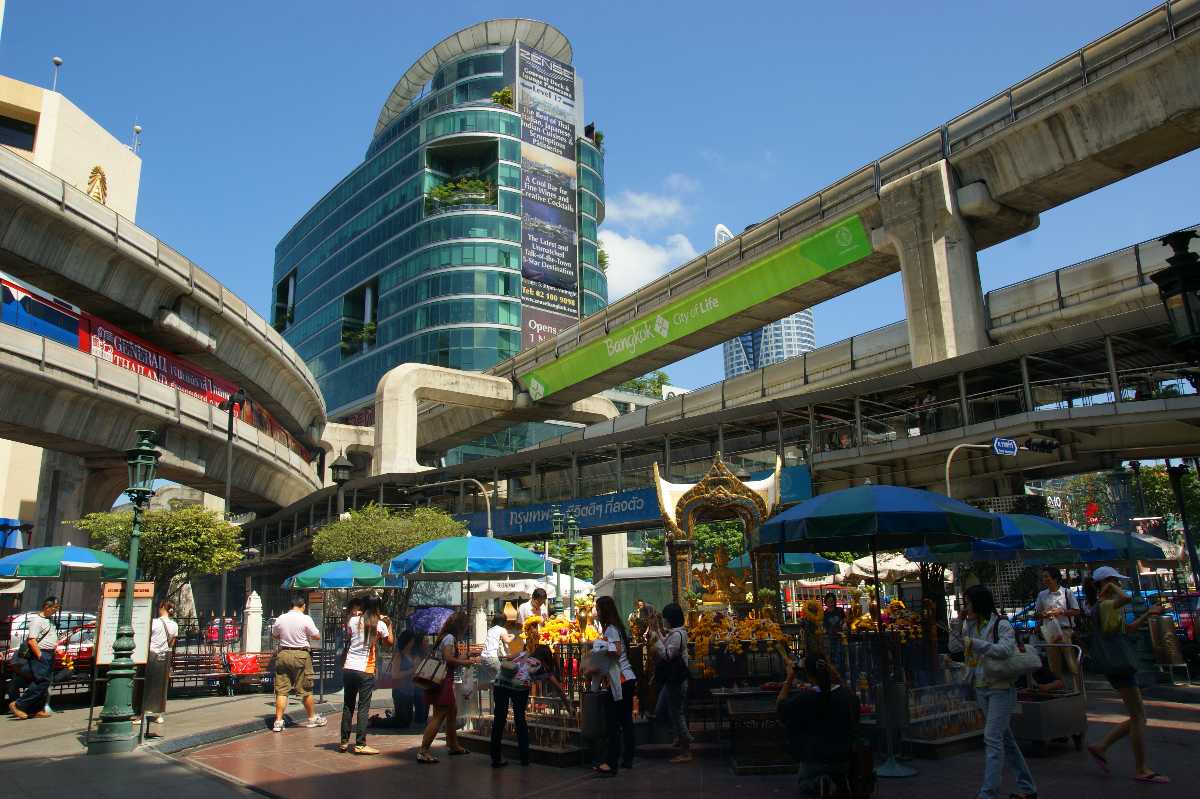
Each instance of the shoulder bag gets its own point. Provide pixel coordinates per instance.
(672, 671)
(1024, 660)
(1111, 652)
(431, 671)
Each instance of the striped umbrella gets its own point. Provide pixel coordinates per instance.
(338, 574)
(62, 563)
(794, 564)
(467, 557)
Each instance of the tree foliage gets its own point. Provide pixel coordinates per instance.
(648, 385)
(376, 534)
(581, 560)
(710, 535)
(185, 542)
(654, 550)
(602, 259)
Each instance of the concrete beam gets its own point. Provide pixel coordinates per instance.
(942, 295)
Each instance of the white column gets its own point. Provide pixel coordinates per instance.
(252, 624)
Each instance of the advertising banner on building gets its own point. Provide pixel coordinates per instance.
(803, 261)
(538, 325)
(544, 90)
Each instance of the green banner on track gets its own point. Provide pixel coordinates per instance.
(798, 263)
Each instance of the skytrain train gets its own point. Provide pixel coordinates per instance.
(43, 314)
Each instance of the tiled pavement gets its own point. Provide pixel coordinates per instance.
(301, 763)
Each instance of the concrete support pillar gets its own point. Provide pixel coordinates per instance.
(252, 624)
(609, 552)
(69, 488)
(942, 295)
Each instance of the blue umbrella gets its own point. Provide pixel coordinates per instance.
(1024, 535)
(876, 516)
(793, 564)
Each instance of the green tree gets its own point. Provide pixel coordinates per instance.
(1159, 499)
(602, 259)
(503, 97)
(182, 542)
(376, 534)
(654, 550)
(710, 535)
(649, 385)
(582, 559)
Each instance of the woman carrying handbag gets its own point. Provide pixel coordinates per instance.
(439, 690)
(988, 642)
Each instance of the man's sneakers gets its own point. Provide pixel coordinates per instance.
(159, 719)
(365, 750)
(313, 721)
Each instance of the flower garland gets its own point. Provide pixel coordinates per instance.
(709, 629)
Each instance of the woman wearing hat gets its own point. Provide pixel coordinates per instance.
(1112, 654)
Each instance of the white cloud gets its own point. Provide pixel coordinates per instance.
(634, 262)
(635, 208)
(680, 183)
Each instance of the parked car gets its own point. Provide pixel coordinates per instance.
(65, 621)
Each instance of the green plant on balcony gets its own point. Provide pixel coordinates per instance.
(461, 191)
(602, 259)
(598, 138)
(503, 97)
(356, 339)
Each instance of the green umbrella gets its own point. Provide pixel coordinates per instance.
(467, 557)
(338, 574)
(63, 563)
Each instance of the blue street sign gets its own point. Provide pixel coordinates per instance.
(1004, 446)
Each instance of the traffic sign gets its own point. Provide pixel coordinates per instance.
(1004, 446)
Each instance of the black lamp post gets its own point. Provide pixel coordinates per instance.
(1179, 288)
(1175, 476)
(233, 405)
(566, 533)
(115, 730)
(340, 472)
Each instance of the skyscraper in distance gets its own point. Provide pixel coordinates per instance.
(791, 336)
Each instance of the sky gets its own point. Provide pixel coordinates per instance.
(711, 112)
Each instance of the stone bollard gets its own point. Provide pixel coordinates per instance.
(252, 624)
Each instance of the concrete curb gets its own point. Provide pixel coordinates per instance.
(171, 746)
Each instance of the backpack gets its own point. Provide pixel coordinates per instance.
(673, 671)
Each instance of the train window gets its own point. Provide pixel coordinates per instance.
(67, 324)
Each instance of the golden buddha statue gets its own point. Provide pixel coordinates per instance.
(721, 585)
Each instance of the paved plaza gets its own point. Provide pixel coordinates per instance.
(305, 763)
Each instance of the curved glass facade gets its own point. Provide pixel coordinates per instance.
(415, 256)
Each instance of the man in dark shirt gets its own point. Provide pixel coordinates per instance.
(835, 625)
(821, 722)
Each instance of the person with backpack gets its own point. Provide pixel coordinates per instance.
(670, 648)
(1111, 653)
(515, 676)
(36, 656)
(981, 633)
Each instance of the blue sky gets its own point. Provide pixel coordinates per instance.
(252, 111)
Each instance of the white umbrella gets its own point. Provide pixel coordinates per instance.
(506, 589)
(891, 568)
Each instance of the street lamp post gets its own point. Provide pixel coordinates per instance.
(1175, 475)
(1179, 290)
(340, 472)
(566, 532)
(232, 405)
(115, 733)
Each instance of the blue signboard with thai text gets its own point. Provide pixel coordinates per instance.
(635, 509)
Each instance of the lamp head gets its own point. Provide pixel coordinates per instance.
(142, 463)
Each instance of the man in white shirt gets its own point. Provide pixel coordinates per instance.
(536, 606)
(1056, 606)
(293, 662)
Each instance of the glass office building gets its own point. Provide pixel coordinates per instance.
(791, 336)
(417, 254)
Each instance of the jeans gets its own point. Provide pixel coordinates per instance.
(619, 716)
(1000, 745)
(409, 706)
(357, 687)
(672, 699)
(501, 698)
(33, 699)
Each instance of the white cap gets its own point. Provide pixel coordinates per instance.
(1105, 572)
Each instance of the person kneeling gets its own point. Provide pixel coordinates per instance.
(821, 722)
